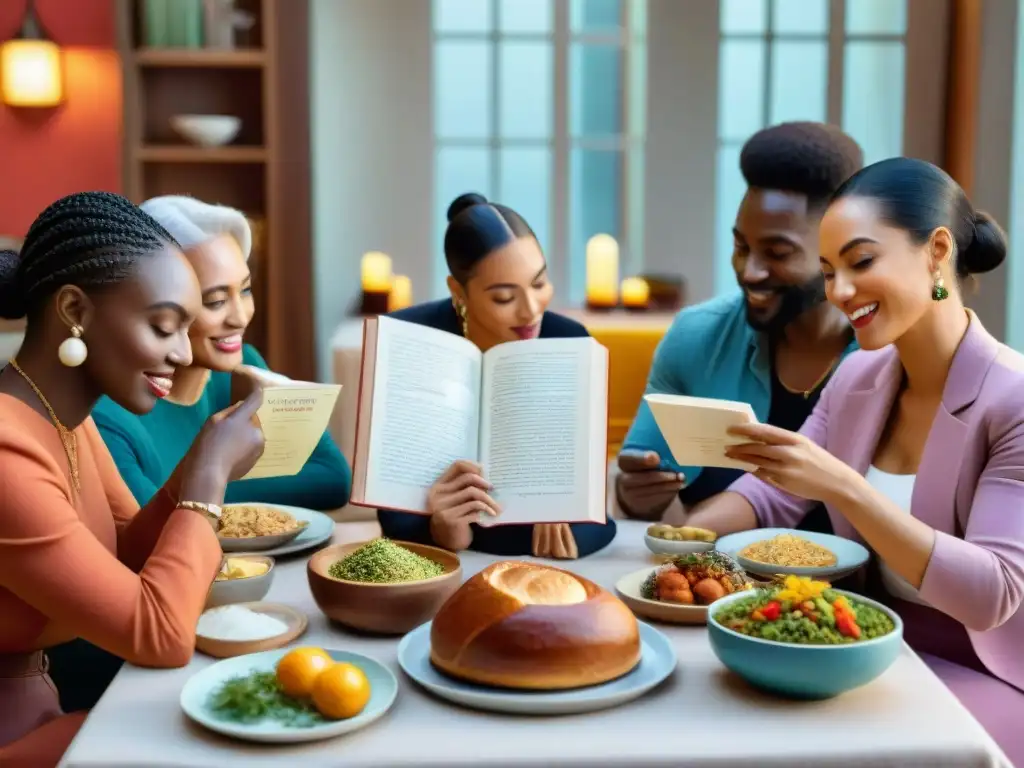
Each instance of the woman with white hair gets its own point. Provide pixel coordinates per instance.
(217, 240)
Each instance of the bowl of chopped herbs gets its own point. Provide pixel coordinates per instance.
(382, 586)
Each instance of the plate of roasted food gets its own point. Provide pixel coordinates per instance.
(680, 590)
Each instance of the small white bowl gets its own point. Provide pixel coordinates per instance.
(207, 130)
(670, 547)
(248, 590)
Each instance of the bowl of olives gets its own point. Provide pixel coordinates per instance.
(679, 540)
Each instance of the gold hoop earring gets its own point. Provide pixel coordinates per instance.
(72, 351)
(460, 308)
(939, 291)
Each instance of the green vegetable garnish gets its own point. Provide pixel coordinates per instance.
(258, 697)
(384, 562)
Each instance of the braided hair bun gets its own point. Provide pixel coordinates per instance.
(86, 239)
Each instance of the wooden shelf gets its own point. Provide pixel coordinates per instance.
(189, 154)
(264, 172)
(239, 58)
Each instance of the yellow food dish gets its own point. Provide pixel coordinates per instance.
(245, 522)
(681, 533)
(789, 550)
(239, 568)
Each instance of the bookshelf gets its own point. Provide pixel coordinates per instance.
(264, 171)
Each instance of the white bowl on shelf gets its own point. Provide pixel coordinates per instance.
(207, 130)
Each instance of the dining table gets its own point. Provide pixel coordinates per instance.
(702, 715)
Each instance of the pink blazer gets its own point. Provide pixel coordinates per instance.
(969, 486)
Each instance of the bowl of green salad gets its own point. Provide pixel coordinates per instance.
(802, 639)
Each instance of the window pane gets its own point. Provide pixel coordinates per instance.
(740, 88)
(462, 89)
(524, 15)
(803, 16)
(462, 16)
(873, 97)
(595, 90)
(865, 17)
(799, 81)
(458, 170)
(594, 191)
(729, 190)
(743, 16)
(595, 16)
(526, 187)
(526, 80)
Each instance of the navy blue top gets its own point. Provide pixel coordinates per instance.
(505, 540)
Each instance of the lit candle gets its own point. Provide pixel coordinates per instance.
(376, 272)
(401, 293)
(635, 293)
(602, 271)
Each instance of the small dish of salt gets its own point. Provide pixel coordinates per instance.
(241, 628)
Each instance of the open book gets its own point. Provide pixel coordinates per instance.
(533, 414)
(695, 428)
(294, 416)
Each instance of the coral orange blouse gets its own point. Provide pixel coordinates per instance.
(90, 563)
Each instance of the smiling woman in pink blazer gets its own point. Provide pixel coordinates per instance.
(917, 444)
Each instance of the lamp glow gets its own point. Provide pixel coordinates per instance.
(30, 67)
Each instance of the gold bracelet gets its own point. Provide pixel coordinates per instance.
(210, 510)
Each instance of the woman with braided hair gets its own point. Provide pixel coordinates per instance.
(109, 299)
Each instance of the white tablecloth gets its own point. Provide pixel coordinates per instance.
(702, 716)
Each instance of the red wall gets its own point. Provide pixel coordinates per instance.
(47, 154)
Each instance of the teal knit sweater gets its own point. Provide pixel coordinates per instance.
(148, 448)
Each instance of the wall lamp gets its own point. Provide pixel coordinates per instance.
(30, 66)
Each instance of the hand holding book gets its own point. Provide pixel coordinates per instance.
(456, 501)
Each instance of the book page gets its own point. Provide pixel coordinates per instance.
(695, 428)
(426, 402)
(293, 418)
(537, 427)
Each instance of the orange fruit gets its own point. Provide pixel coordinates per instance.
(298, 670)
(341, 691)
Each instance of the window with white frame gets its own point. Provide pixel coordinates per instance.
(538, 104)
(782, 60)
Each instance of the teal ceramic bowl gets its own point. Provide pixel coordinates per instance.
(804, 671)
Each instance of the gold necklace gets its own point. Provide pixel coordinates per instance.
(814, 387)
(67, 437)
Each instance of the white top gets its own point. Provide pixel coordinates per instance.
(898, 489)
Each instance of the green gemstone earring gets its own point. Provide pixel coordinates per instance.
(939, 291)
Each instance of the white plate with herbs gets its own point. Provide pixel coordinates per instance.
(239, 698)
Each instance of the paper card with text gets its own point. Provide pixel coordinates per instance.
(293, 417)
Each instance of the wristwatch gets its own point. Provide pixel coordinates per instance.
(210, 510)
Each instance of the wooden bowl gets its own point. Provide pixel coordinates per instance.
(225, 649)
(385, 609)
(246, 590)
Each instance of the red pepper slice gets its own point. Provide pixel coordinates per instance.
(772, 611)
(847, 626)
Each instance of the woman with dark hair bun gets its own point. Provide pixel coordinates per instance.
(917, 444)
(500, 292)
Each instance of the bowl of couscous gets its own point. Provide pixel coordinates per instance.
(802, 639)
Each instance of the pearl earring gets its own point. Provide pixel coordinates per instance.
(72, 351)
(939, 292)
